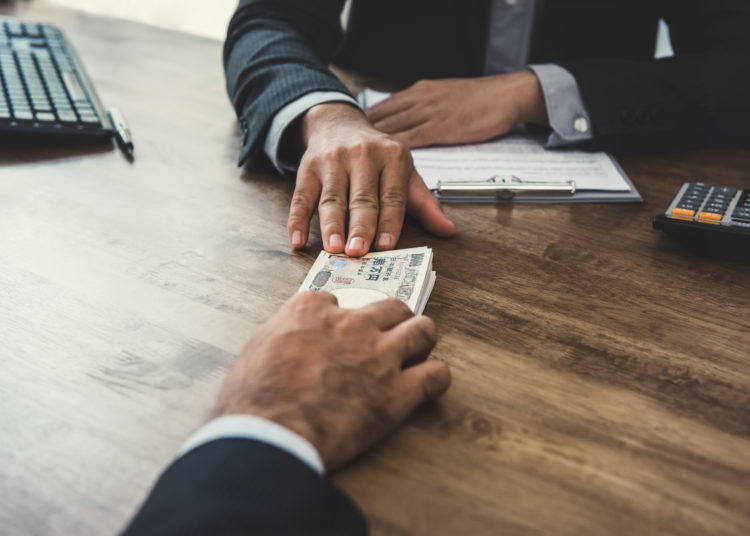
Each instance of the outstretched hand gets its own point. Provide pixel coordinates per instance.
(460, 110)
(340, 378)
(351, 170)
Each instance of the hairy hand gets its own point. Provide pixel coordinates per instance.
(340, 378)
(460, 110)
(351, 169)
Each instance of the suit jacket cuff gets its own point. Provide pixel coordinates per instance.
(285, 117)
(240, 486)
(257, 429)
(568, 116)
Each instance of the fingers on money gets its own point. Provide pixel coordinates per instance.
(314, 300)
(386, 314)
(405, 274)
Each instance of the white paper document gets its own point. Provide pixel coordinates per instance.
(521, 156)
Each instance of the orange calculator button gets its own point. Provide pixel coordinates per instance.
(677, 212)
(710, 217)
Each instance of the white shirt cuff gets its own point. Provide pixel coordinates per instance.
(258, 429)
(568, 116)
(288, 114)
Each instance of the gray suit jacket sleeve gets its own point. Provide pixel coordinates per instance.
(276, 52)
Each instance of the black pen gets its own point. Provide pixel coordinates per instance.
(122, 132)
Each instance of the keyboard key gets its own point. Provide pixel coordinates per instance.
(45, 116)
(73, 86)
(33, 30)
(42, 106)
(19, 106)
(14, 28)
(68, 117)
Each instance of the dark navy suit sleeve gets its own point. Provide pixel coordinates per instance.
(697, 98)
(239, 487)
(276, 52)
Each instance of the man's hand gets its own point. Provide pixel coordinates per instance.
(350, 169)
(461, 110)
(340, 378)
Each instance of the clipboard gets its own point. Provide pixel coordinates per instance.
(510, 188)
(478, 174)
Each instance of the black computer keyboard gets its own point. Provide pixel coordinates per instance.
(44, 89)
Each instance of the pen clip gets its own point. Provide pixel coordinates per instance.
(506, 187)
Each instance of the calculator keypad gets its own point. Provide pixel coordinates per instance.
(703, 203)
(741, 213)
(691, 200)
(716, 204)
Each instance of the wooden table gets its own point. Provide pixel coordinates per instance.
(601, 374)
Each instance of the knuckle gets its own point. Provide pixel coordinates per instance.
(332, 199)
(350, 321)
(311, 298)
(309, 163)
(361, 231)
(395, 149)
(335, 154)
(361, 149)
(393, 198)
(307, 296)
(300, 203)
(367, 201)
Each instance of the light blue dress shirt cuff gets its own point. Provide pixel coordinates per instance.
(568, 116)
(287, 115)
(258, 429)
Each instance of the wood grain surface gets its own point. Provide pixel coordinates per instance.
(601, 373)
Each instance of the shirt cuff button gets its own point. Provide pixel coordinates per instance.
(581, 124)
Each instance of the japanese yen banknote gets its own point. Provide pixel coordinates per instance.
(405, 274)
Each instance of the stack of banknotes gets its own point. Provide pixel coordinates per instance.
(405, 274)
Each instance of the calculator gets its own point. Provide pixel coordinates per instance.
(710, 219)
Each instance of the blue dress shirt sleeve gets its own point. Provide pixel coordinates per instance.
(568, 116)
(258, 429)
(286, 117)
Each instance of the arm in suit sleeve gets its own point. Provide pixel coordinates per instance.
(697, 98)
(242, 486)
(276, 52)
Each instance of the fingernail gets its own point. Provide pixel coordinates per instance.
(297, 241)
(335, 241)
(384, 241)
(357, 243)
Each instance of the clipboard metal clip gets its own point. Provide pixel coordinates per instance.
(505, 188)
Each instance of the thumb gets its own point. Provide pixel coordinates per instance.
(424, 206)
